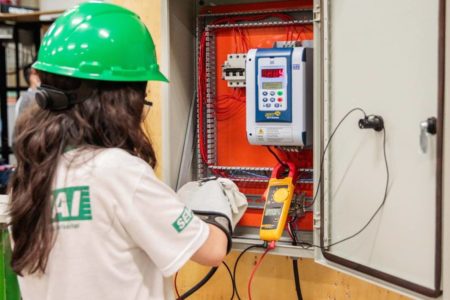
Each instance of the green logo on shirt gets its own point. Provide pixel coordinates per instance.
(183, 220)
(72, 204)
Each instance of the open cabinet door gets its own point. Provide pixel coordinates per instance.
(385, 57)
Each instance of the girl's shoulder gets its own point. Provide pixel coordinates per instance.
(105, 158)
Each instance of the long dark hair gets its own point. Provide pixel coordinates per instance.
(110, 118)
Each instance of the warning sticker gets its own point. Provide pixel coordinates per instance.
(274, 134)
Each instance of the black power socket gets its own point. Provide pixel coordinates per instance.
(371, 122)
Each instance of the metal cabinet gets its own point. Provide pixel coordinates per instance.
(386, 58)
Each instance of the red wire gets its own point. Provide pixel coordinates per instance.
(175, 285)
(271, 246)
(200, 89)
(224, 109)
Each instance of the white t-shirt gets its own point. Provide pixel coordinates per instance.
(121, 231)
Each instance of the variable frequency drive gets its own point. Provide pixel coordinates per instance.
(279, 96)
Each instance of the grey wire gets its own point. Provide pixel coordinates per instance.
(309, 245)
(382, 203)
(326, 148)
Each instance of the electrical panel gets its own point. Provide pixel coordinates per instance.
(229, 39)
(279, 96)
(223, 147)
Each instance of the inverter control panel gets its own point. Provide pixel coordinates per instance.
(279, 96)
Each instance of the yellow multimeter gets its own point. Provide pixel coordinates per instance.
(278, 196)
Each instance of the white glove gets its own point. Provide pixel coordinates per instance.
(216, 201)
(237, 200)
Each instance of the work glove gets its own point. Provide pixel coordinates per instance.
(216, 201)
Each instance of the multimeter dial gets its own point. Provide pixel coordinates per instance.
(281, 195)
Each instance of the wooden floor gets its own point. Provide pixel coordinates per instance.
(274, 280)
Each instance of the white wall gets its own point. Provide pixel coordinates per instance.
(29, 3)
(58, 4)
(177, 62)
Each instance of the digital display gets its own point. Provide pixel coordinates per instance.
(272, 212)
(272, 85)
(272, 73)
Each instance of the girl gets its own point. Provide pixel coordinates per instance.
(89, 218)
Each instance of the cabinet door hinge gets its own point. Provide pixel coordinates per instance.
(316, 14)
(316, 220)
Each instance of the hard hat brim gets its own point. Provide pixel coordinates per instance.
(104, 75)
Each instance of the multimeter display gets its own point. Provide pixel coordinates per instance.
(273, 212)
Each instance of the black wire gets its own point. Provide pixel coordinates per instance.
(321, 172)
(199, 284)
(276, 156)
(236, 264)
(232, 279)
(298, 288)
(293, 231)
(326, 148)
(296, 242)
(382, 203)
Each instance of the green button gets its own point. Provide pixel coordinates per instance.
(280, 93)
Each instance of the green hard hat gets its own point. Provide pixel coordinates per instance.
(99, 41)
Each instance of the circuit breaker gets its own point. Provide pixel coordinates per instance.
(279, 96)
(233, 70)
